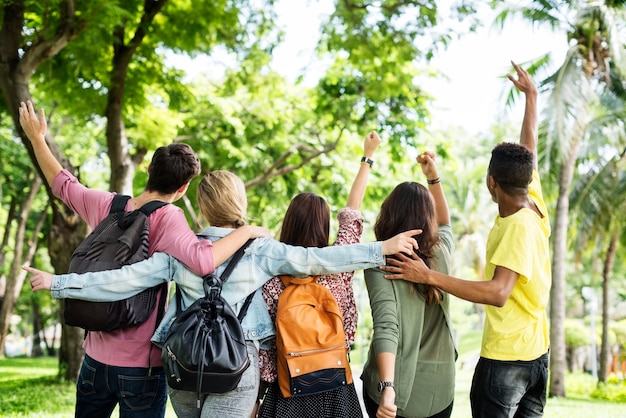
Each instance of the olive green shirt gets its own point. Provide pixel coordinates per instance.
(420, 336)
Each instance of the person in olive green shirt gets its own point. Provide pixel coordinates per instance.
(410, 369)
(510, 379)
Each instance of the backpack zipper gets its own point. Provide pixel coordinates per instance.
(306, 352)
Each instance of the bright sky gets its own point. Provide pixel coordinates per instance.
(474, 95)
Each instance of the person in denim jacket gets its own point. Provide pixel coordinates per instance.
(222, 201)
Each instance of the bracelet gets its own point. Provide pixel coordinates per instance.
(367, 160)
(434, 181)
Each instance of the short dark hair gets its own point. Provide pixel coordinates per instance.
(410, 206)
(511, 166)
(172, 166)
(306, 222)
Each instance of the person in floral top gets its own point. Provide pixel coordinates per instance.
(307, 223)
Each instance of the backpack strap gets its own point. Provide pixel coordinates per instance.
(233, 262)
(244, 308)
(119, 203)
(231, 265)
(151, 206)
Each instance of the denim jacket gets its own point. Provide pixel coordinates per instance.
(262, 260)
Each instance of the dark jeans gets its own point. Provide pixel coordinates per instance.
(371, 407)
(101, 387)
(507, 389)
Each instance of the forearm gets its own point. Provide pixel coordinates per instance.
(484, 292)
(528, 134)
(225, 247)
(357, 191)
(114, 284)
(441, 204)
(386, 363)
(49, 165)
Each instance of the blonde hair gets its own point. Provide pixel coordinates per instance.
(222, 199)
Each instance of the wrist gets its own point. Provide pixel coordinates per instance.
(367, 160)
(433, 180)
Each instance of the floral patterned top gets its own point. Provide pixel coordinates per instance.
(339, 284)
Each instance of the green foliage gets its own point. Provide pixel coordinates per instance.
(613, 390)
(576, 333)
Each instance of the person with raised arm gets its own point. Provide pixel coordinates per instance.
(410, 367)
(127, 354)
(511, 376)
(306, 223)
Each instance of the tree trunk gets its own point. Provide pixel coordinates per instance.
(15, 279)
(122, 163)
(606, 280)
(17, 64)
(37, 331)
(558, 355)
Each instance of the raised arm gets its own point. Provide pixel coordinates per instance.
(528, 134)
(35, 128)
(427, 161)
(355, 198)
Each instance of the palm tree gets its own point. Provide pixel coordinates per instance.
(594, 62)
(598, 203)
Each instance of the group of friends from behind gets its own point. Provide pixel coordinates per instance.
(410, 367)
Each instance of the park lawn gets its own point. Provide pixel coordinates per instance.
(29, 388)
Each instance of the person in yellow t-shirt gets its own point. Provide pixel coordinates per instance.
(511, 375)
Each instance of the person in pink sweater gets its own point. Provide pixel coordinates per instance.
(122, 366)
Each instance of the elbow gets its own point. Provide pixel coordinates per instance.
(499, 299)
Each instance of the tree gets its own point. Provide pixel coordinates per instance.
(598, 202)
(77, 42)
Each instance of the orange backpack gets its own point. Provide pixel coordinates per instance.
(312, 354)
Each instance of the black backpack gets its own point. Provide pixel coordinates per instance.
(205, 349)
(120, 238)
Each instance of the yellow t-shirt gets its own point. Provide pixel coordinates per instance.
(520, 242)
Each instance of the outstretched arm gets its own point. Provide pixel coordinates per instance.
(224, 248)
(429, 168)
(489, 292)
(35, 128)
(355, 198)
(528, 135)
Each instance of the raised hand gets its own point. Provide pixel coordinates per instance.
(426, 161)
(524, 81)
(34, 126)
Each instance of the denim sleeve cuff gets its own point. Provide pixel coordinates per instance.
(57, 287)
(376, 251)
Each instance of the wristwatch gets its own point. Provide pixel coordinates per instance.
(382, 385)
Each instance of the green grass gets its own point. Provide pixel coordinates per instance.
(30, 388)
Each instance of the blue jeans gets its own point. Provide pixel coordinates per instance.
(101, 387)
(507, 389)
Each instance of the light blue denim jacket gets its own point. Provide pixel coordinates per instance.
(262, 260)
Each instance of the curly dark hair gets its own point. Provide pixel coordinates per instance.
(511, 166)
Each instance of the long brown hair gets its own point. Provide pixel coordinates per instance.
(306, 222)
(410, 206)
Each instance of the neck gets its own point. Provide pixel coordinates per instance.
(508, 205)
(147, 196)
